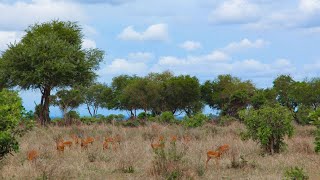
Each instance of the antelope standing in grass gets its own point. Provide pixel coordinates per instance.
(217, 154)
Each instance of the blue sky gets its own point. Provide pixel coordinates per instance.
(251, 39)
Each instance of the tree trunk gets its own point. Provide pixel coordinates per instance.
(44, 111)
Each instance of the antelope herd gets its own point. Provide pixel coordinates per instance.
(115, 142)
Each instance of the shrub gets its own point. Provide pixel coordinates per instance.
(226, 120)
(168, 162)
(315, 117)
(10, 115)
(268, 126)
(303, 115)
(296, 173)
(196, 121)
(73, 115)
(167, 117)
(144, 115)
(89, 120)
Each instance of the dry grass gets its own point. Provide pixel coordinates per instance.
(134, 158)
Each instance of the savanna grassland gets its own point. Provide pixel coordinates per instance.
(135, 159)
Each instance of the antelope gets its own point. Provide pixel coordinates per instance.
(173, 139)
(112, 141)
(60, 146)
(67, 143)
(32, 155)
(90, 140)
(217, 154)
(84, 144)
(160, 144)
(118, 139)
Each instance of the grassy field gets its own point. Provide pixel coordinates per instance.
(135, 159)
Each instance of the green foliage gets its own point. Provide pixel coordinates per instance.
(144, 115)
(49, 56)
(73, 115)
(226, 120)
(227, 94)
(167, 117)
(96, 96)
(67, 100)
(195, 121)
(10, 116)
(268, 126)
(302, 115)
(164, 158)
(315, 117)
(295, 173)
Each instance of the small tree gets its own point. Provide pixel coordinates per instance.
(10, 116)
(268, 125)
(67, 100)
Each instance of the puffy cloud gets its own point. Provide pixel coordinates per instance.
(123, 66)
(140, 56)
(190, 45)
(156, 32)
(215, 56)
(235, 12)
(7, 37)
(19, 15)
(245, 44)
(88, 43)
(309, 6)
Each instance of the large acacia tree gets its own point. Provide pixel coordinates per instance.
(49, 56)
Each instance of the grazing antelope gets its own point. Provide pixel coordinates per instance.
(90, 140)
(60, 146)
(84, 144)
(217, 154)
(32, 155)
(67, 143)
(160, 144)
(173, 139)
(112, 141)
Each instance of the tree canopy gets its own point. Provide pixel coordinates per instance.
(49, 56)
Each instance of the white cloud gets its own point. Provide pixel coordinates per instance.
(245, 44)
(19, 15)
(88, 43)
(234, 12)
(123, 66)
(309, 6)
(140, 56)
(7, 37)
(215, 56)
(190, 45)
(156, 32)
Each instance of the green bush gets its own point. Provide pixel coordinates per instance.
(303, 115)
(144, 115)
(89, 120)
(226, 120)
(295, 173)
(73, 115)
(196, 121)
(268, 125)
(11, 111)
(315, 117)
(130, 123)
(167, 117)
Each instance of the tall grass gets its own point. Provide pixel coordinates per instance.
(135, 159)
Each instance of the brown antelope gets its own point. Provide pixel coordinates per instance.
(118, 139)
(90, 140)
(67, 143)
(84, 144)
(112, 141)
(217, 154)
(173, 139)
(60, 146)
(160, 144)
(32, 155)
